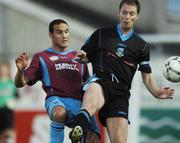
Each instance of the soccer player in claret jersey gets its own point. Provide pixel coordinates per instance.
(62, 79)
(116, 53)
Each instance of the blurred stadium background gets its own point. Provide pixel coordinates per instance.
(24, 27)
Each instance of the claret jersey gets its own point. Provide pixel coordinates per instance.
(60, 74)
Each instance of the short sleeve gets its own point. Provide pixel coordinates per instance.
(144, 63)
(33, 72)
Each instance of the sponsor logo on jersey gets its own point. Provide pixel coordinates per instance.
(54, 58)
(62, 66)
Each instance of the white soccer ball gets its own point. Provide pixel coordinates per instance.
(171, 69)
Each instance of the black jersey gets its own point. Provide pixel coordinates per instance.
(111, 53)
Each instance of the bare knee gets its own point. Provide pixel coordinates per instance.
(93, 99)
(59, 114)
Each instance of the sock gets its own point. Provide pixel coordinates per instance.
(56, 132)
(82, 119)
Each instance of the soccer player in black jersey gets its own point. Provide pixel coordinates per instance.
(115, 54)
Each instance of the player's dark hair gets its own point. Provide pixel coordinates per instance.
(54, 22)
(131, 2)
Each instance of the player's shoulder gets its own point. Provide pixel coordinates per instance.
(40, 53)
(48, 53)
(72, 51)
(107, 29)
(140, 42)
(139, 38)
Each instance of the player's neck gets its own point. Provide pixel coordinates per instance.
(60, 49)
(126, 31)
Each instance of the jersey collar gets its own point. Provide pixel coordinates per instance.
(58, 52)
(123, 37)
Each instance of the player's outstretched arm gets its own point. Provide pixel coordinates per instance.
(81, 57)
(155, 90)
(21, 64)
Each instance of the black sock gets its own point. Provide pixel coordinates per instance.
(82, 119)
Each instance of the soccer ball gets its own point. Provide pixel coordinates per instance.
(171, 69)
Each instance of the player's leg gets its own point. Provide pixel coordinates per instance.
(57, 113)
(117, 128)
(92, 137)
(114, 114)
(93, 134)
(93, 100)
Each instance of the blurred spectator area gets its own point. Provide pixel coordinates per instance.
(156, 15)
(24, 23)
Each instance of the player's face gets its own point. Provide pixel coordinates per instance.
(127, 16)
(60, 36)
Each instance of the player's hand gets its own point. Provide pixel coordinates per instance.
(166, 93)
(22, 62)
(81, 57)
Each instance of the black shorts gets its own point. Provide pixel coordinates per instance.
(116, 100)
(6, 119)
